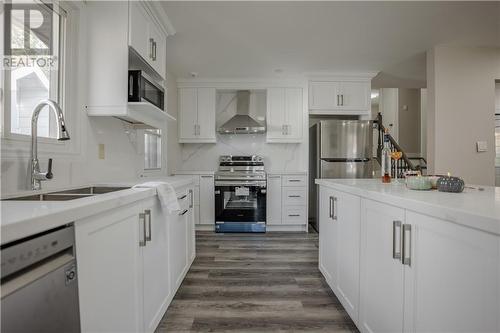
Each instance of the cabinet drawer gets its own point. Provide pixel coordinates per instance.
(294, 215)
(294, 196)
(294, 180)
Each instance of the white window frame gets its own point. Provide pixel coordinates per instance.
(153, 172)
(14, 144)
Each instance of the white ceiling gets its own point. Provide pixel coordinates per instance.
(253, 39)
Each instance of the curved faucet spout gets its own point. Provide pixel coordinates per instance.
(61, 134)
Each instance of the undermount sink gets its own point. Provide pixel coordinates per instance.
(77, 193)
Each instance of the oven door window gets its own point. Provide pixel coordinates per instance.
(240, 204)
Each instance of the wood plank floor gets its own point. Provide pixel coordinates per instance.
(255, 283)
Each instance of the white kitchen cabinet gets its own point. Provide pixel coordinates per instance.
(196, 115)
(452, 283)
(178, 231)
(207, 200)
(121, 31)
(285, 115)
(382, 274)
(273, 198)
(139, 29)
(286, 201)
(339, 97)
(340, 241)
(146, 38)
(155, 269)
(109, 260)
(181, 238)
(327, 237)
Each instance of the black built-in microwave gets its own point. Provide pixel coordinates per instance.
(141, 88)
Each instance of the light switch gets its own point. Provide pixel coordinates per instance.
(482, 146)
(101, 151)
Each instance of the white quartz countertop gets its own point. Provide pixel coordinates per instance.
(24, 218)
(472, 208)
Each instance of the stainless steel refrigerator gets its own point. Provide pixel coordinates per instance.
(338, 149)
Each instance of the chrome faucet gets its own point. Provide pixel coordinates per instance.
(62, 134)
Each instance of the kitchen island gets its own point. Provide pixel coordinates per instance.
(420, 261)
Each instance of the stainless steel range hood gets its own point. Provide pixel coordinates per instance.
(242, 123)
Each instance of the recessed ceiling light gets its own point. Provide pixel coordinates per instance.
(278, 70)
(193, 74)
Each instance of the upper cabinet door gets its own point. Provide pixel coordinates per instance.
(188, 113)
(159, 50)
(293, 114)
(139, 30)
(284, 115)
(275, 119)
(206, 114)
(147, 38)
(355, 95)
(323, 95)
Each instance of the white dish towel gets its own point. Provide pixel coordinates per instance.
(166, 194)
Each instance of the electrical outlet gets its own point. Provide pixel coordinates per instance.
(482, 146)
(100, 154)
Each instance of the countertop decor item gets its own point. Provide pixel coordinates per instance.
(418, 183)
(450, 184)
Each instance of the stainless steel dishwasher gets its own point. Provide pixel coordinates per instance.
(39, 286)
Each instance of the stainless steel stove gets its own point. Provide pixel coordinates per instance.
(240, 194)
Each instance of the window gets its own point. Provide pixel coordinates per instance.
(152, 149)
(34, 47)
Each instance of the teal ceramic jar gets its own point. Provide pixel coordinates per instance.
(418, 183)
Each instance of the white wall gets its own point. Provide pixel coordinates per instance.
(461, 103)
(277, 157)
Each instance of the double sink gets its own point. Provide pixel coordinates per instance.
(72, 194)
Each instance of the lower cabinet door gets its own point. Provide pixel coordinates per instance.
(155, 265)
(382, 276)
(347, 211)
(110, 271)
(327, 237)
(453, 282)
(177, 250)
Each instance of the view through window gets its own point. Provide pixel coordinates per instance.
(34, 43)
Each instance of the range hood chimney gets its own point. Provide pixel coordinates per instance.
(242, 123)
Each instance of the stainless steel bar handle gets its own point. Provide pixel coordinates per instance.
(151, 41)
(191, 195)
(207, 176)
(182, 197)
(396, 240)
(406, 245)
(338, 100)
(294, 196)
(330, 212)
(334, 213)
(293, 215)
(342, 99)
(154, 50)
(142, 217)
(183, 212)
(147, 213)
